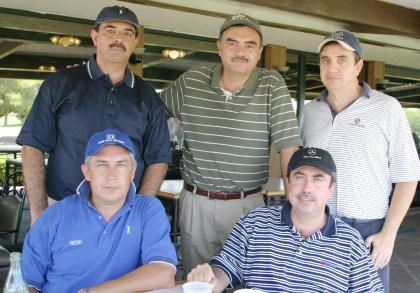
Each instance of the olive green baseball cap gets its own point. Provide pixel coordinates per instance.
(241, 19)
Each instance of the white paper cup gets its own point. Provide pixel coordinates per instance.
(197, 287)
(248, 291)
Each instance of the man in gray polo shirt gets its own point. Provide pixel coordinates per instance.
(369, 137)
(230, 114)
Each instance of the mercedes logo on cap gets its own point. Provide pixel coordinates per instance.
(312, 152)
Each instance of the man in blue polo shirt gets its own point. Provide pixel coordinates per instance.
(299, 247)
(105, 238)
(74, 103)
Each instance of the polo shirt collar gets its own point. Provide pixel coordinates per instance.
(251, 83)
(329, 230)
(95, 72)
(83, 192)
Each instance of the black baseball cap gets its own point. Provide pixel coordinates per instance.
(117, 13)
(346, 39)
(313, 157)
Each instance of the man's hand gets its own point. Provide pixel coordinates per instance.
(203, 273)
(383, 245)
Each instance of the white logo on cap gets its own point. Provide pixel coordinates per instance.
(338, 35)
(312, 152)
(110, 137)
(121, 11)
(240, 16)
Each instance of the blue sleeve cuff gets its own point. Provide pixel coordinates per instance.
(233, 278)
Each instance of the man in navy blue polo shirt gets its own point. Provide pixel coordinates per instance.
(299, 247)
(74, 103)
(105, 238)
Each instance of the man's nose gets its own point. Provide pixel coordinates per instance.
(307, 185)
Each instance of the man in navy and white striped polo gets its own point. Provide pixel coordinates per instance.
(369, 137)
(299, 247)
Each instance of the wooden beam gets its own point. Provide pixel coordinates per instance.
(8, 47)
(372, 13)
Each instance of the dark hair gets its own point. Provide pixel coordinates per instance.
(357, 57)
(136, 32)
(239, 25)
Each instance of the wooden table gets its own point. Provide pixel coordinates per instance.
(170, 190)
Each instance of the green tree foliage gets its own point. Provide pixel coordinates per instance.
(16, 96)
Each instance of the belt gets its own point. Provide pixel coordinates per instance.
(220, 195)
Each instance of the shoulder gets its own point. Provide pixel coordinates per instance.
(204, 73)
(59, 211)
(68, 74)
(380, 99)
(270, 77)
(147, 203)
(351, 235)
(262, 214)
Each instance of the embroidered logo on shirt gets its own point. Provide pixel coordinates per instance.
(328, 264)
(75, 242)
(357, 122)
(128, 230)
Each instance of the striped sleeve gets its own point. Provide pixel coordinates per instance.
(363, 276)
(404, 164)
(173, 96)
(283, 123)
(233, 254)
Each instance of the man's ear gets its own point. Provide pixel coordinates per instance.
(93, 36)
(85, 171)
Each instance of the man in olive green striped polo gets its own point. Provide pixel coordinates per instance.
(230, 113)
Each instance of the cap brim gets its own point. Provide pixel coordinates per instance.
(343, 44)
(122, 20)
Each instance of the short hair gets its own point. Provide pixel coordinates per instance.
(136, 31)
(240, 25)
(357, 57)
(89, 158)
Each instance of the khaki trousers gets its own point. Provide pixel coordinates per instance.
(205, 224)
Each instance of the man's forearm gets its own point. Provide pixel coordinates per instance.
(33, 165)
(222, 279)
(401, 200)
(285, 155)
(152, 178)
(148, 277)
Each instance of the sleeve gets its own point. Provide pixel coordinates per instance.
(231, 258)
(363, 276)
(39, 128)
(157, 146)
(156, 245)
(173, 97)
(283, 123)
(36, 254)
(404, 162)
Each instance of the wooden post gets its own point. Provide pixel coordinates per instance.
(138, 68)
(375, 72)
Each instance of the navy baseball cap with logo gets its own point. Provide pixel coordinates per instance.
(117, 13)
(346, 39)
(107, 137)
(241, 19)
(313, 157)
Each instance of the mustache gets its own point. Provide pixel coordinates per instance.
(118, 45)
(306, 195)
(240, 58)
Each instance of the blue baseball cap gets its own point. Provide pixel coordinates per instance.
(109, 136)
(117, 13)
(346, 39)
